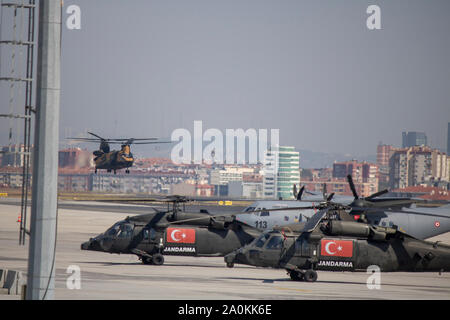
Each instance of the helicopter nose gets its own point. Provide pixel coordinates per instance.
(85, 245)
(229, 258)
(93, 244)
(238, 256)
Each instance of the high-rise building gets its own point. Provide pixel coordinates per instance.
(412, 139)
(364, 175)
(383, 154)
(418, 166)
(281, 172)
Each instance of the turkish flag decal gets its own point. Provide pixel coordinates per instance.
(179, 235)
(336, 248)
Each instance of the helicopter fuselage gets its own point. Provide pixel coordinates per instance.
(364, 246)
(113, 160)
(152, 234)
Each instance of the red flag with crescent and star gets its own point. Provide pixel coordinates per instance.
(336, 248)
(180, 235)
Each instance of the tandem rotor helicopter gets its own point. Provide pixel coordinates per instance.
(116, 159)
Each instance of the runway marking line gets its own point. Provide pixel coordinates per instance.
(293, 289)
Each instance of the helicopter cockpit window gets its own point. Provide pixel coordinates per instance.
(261, 240)
(149, 234)
(126, 230)
(114, 230)
(276, 242)
(264, 213)
(249, 209)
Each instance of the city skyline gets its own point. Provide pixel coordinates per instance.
(313, 71)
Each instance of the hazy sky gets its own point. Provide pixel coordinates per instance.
(309, 68)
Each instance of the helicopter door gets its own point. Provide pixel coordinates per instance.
(304, 249)
(149, 235)
(149, 238)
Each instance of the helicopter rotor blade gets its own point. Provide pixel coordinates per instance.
(127, 141)
(352, 186)
(133, 139)
(153, 142)
(84, 139)
(114, 140)
(249, 212)
(143, 139)
(330, 197)
(95, 135)
(376, 194)
(324, 192)
(312, 223)
(300, 193)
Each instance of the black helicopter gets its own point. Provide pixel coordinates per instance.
(116, 159)
(176, 232)
(173, 232)
(328, 242)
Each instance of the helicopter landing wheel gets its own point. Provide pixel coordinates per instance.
(158, 259)
(310, 275)
(296, 276)
(230, 264)
(127, 171)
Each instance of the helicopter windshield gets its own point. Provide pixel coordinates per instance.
(259, 242)
(275, 242)
(264, 213)
(114, 230)
(121, 229)
(125, 230)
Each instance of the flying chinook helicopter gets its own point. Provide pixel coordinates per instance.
(115, 160)
(327, 243)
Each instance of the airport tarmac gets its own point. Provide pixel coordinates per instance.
(112, 276)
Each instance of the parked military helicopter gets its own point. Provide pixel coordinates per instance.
(175, 232)
(421, 223)
(116, 159)
(327, 243)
